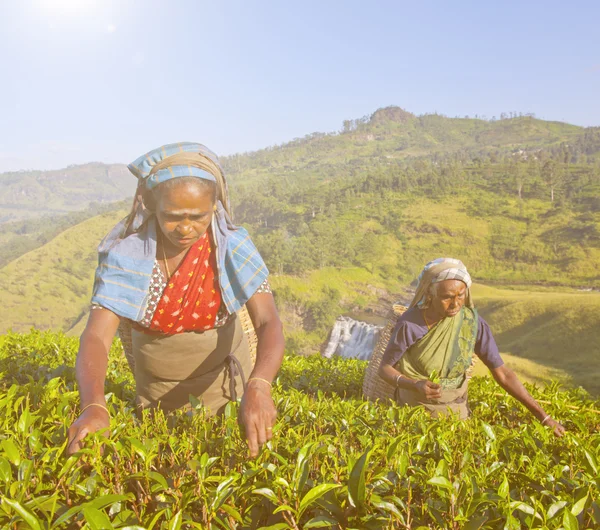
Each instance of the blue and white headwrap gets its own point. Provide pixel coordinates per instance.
(125, 262)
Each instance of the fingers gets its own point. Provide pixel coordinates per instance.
(252, 439)
(433, 390)
(265, 426)
(259, 431)
(258, 417)
(89, 422)
(559, 430)
(75, 439)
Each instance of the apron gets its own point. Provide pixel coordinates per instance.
(211, 366)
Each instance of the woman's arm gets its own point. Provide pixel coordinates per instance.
(402, 338)
(257, 410)
(509, 381)
(90, 369)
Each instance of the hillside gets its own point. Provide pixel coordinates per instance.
(392, 134)
(346, 221)
(548, 334)
(388, 137)
(19, 237)
(27, 194)
(50, 287)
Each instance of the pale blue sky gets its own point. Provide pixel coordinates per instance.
(108, 80)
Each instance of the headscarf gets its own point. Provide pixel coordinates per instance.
(437, 271)
(126, 255)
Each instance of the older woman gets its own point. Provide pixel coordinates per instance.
(432, 346)
(178, 270)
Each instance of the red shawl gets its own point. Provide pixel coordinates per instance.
(191, 299)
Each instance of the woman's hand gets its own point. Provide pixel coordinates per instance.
(92, 360)
(257, 415)
(428, 389)
(257, 411)
(556, 427)
(91, 420)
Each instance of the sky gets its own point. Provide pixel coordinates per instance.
(86, 80)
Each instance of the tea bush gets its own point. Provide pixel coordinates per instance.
(336, 460)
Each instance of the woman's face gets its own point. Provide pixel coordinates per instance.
(184, 213)
(448, 298)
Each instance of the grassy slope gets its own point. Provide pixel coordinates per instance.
(50, 287)
(451, 227)
(557, 331)
(28, 194)
(392, 133)
(546, 333)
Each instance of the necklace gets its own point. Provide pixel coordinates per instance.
(162, 244)
(425, 319)
(429, 326)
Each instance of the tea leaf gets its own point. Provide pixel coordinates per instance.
(321, 521)
(579, 506)
(268, 493)
(570, 521)
(443, 482)
(96, 519)
(11, 451)
(555, 509)
(356, 484)
(488, 430)
(313, 495)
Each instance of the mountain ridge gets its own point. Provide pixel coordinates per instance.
(389, 135)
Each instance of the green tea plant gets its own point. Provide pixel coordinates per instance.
(336, 460)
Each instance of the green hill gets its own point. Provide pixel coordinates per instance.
(392, 134)
(547, 334)
(346, 221)
(19, 237)
(50, 287)
(386, 138)
(27, 194)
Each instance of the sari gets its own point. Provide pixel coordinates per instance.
(447, 348)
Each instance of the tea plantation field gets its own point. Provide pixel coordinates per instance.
(336, 460)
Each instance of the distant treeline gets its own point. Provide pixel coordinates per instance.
(303, 221)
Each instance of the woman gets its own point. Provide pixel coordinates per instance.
(178, 270)
(432, 346)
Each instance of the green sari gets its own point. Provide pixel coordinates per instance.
(447, 348)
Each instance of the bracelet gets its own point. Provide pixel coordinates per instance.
(398, 378)
(260, 379)
(544, 420)
(94, 405)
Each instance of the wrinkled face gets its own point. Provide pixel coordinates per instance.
(184, 213)
(448, 297)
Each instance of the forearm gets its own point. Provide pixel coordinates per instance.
(269, 350)
(90, 370)
(509, 381)
(392, 376)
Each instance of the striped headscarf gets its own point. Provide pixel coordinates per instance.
(126, 255)
(439, 270)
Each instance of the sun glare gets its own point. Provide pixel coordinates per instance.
(68, 5)
(65, 14)
(67, 8)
